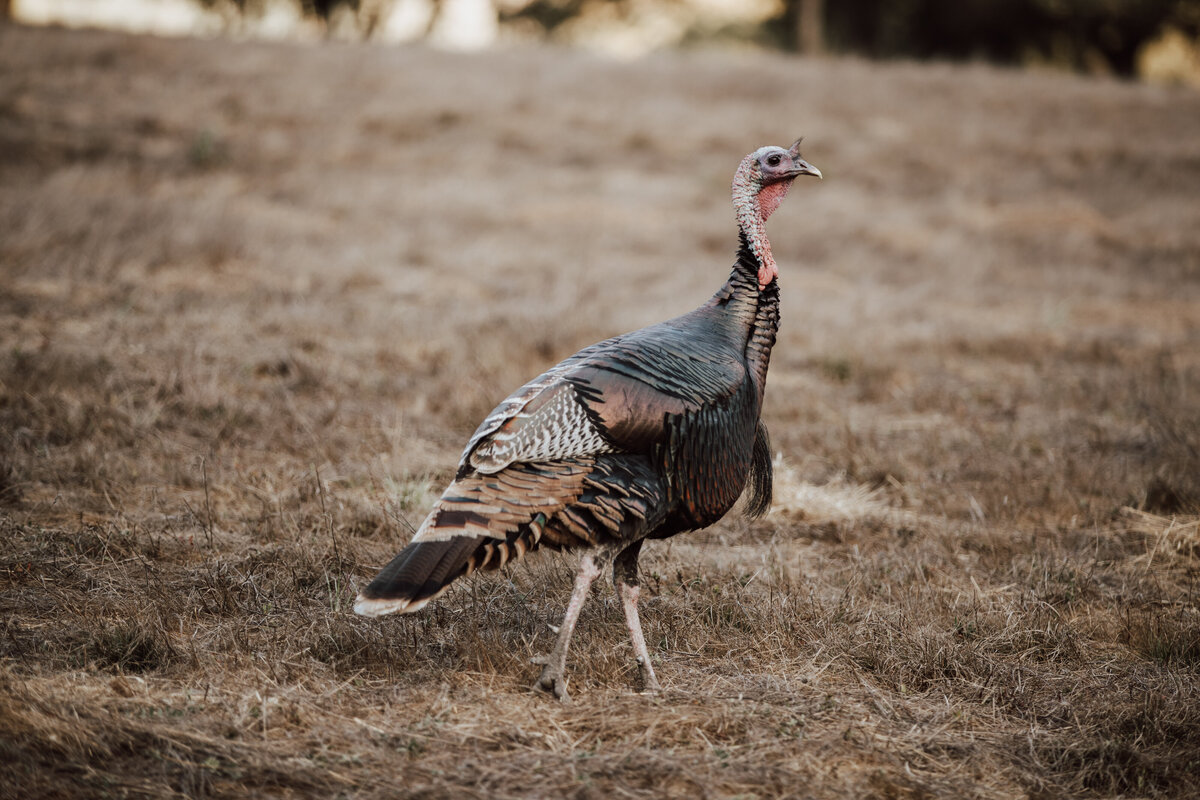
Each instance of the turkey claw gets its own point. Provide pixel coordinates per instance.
(554, 685)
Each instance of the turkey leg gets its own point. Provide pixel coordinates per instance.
(551, 680)
(625, 581)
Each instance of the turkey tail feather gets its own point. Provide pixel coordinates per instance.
(418, 574)
(422, 571)
(761, 484)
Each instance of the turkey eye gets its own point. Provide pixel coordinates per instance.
(773, 160)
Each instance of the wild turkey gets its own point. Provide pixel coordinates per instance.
(645, 435)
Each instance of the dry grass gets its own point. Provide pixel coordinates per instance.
(255, 297)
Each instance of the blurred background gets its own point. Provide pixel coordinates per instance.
(1152, 39)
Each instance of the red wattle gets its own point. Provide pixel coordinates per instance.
(770, 196)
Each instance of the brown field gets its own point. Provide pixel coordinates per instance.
(254, 298)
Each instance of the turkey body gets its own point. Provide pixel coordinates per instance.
(645, 435)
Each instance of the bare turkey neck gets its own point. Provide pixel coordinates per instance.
(752, 209)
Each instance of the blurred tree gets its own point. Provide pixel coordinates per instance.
(1094, 35)
(549, 14)
(810, 27)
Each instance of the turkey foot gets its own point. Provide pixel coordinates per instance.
(552, 682)
(650, 684)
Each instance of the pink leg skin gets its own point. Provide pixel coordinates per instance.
(551, 680)
(625, 581)
(629, 594)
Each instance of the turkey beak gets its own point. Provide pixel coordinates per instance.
(802, 167)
